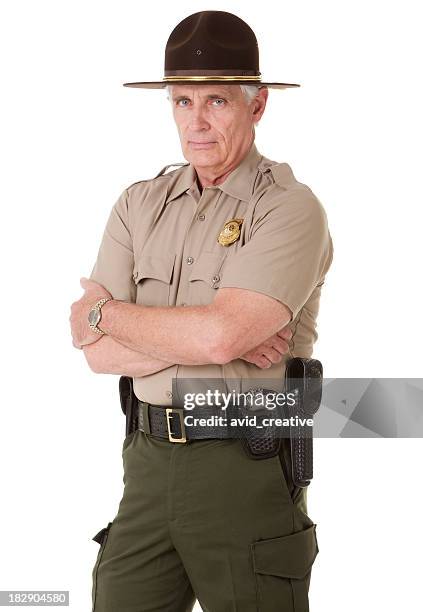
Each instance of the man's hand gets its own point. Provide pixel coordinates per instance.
(271, 350)
(80, 329)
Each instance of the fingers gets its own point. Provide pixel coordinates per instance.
(264, 357)
(91, 285)
(280, 345)
(271, 350)
(285, 333)
(275, 342)
(272, 355)
(261, 361)
(85, 283)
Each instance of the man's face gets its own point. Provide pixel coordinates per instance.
(215, 122)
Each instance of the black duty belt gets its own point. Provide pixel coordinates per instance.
(303, 379)
(169, 423)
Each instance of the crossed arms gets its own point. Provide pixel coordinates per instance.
(141, 340)
(264, 286)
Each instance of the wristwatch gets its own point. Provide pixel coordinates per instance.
(94, 316)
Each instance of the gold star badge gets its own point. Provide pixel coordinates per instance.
(230, 232)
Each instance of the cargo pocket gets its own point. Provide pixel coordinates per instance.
(282, 568)
(153, 276)
(100, 538)
(205, 277)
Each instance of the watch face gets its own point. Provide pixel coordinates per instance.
(94, 316)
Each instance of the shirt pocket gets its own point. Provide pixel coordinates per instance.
(153, 278)
(205, 278)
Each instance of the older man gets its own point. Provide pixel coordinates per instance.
(210, 271)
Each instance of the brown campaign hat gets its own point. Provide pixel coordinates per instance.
(211, 47)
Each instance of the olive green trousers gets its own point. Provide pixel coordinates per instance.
(202, 521)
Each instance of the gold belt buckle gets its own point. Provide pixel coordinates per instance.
(180, 412)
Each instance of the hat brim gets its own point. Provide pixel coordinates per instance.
(162, 84)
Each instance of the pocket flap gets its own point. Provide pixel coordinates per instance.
(100, 536)
(206, 268)
(151, 266)
(289, 556)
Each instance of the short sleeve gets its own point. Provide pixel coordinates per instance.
(289, 250)
(115, 260)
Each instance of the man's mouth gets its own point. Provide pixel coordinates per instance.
(201, 144)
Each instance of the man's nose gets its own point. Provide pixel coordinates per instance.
(198, 120)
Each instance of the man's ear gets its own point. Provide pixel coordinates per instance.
(260, 104)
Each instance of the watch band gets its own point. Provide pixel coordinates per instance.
(98, 307)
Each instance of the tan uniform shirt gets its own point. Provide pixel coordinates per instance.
(160, 248)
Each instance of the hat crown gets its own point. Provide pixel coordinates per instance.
(212, 40)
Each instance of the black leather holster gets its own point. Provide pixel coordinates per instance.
(304, 378)
(129, 403)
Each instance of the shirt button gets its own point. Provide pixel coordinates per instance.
(216, 278)
(201, 217)
(169, 393)
(190, 260)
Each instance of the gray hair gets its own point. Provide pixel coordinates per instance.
(249, 91)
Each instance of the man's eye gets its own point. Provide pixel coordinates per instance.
(185, 101)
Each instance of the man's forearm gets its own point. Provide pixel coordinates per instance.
(189, 335)
(108, 356)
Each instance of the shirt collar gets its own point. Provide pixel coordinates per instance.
(239, 183)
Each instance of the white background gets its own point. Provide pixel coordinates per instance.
(72, 138)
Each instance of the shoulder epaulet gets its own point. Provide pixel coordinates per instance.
(163, 170)
(283, 175)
